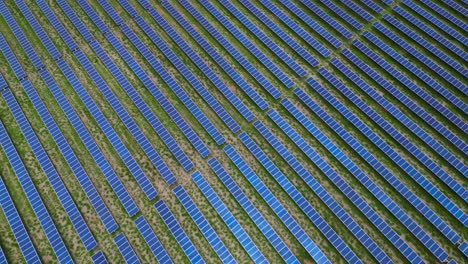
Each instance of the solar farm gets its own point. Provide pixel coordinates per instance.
(233, 131)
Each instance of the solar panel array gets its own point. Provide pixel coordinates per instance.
(241, 131)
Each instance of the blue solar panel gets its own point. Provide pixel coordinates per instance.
(170, 81)
(372, 5)
(296, 28)
(456, 7)
(152, 241)
(379, 167)
(212, 102)
(312, 24)
(31, 192)
(404, 119)
(435, 192)
(335, 9)
(86, 138)
(299, 199)
(423, 43)
(4, 261)
(358, 10)
(177, 231)
(256, 98)
(418, 72)
(266, 84)
(99, 258)
(35, 59)
(280, 33)
(207, 70)
(126, 249)
(276, 206)
(355, 198)
(229, 219)
(272, 67)
(143, 141)
(433, 6)
(410, 85)
(19, 231)
(373, 188)
(464, 248)
(59, 187)
(190, 77)
(159, 96)
(202, 224)
(97, 154)
(327, 18)
(253, 212)
(434, 66)
(265, 40)
(322, 193)
(436, 22)
(429, 119)
(432, 33)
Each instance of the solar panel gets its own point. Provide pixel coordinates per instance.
(436, 22)
(253, 95)
(355, 198)
(19, 231)
(299, 199)
(379, 167)
(129, 122)
(434, 66)
(272, 67)
(265, 40)
(207, 70)
(456, 7)
(335, 9)
(312, 24)
(126, 249)
(417, 71)
(303, 238)
(358, 10)
(464, 248)
(152, 240)
(195, 83)
(410, 85)
(296, 28)
(434, 7)
(98, 156)
(229, 219)
(177, 231)
(208, 232)
(156, 124)
(32, 194)
(322, 193)
(423, 43)
(99, 258)
(435, 192)
(372, 5)
(327, 18)
(46, 164)
(265, 83)
(266, 229)
(456, 141)
(3, 259)
(280, 33)
(190, 134)
(412, 126)
(431, 33)
(83, 178)
(373, 188)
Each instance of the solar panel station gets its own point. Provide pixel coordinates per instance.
(234, 131)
